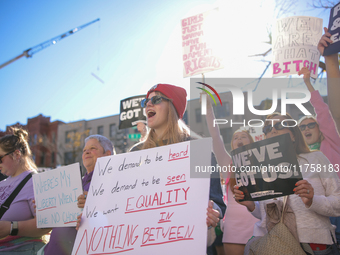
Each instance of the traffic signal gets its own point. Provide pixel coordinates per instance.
(121, 140)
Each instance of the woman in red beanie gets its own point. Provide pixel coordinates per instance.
(163, 117)
(165, 106)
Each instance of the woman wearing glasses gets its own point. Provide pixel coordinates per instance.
(165, 105)
(320, 133)
(315, 198)
(18, 231)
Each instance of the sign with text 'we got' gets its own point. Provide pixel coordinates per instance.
(145, 202)
(131, 112)
(266, 169)
(56, 193)
(294, 45)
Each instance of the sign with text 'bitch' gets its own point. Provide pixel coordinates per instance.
(294, 45)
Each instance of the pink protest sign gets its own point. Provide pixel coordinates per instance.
(294, 45)
(199, 55)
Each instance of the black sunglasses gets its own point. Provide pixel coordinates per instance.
(5, 156)
(268, 128)
(154, 100)
(309, 125)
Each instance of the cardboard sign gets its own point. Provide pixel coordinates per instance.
(131, 111)
(198, 53)
(334, 29)
(295, 41)
(145, 202)
(55, 194)
(266, 169)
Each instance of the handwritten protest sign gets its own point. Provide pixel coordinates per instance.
(198, 53)
(294, 45)
(131, 111)
(145, 202)
(334, 29)
(56, 194)
(266, 169)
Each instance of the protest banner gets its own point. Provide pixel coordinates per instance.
(131, 111)
(334, 30)
(199, 56)
(145, 202)
(55, 194)
(294, 45)
(266, 169)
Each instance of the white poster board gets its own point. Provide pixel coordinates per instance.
(145, 202)
(55, 194)
(294, 45)
(199, 54)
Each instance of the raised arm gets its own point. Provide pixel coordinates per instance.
(306, 78)
(324, 118)
(222, 156)
(333, 78)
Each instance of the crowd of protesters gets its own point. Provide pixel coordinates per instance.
(316, 199)
(315, 202)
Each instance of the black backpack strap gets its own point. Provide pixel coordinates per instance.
(4, 207)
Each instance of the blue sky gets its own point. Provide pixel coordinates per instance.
(135, 45)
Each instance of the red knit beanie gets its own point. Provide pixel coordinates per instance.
(177, 94)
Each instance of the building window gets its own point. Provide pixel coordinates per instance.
(198, 115)
(53, 137)
(226, 134)
(35, 138)
(227, 108)
(52, 158)
(89, 131)
(42, 159)
(44, 139)
(69, 135)
(112, 130)
(222, 111)
(68, 158)
(100, 130)
(185, 117)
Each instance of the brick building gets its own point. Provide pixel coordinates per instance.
(43, 140)
(43, 136)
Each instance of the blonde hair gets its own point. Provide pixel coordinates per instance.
(300, 144)
(18, 140)
(175, 132)
(321, 137)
